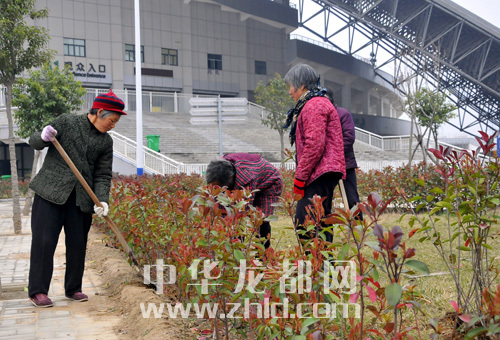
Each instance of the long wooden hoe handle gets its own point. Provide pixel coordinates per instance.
(96, 201)
(344, 196)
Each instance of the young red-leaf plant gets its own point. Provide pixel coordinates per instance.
(355, 233)
(393, 265)
(467, 205)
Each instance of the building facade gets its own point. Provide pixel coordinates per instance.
(198, 47)
(204, 47)
(211, 47)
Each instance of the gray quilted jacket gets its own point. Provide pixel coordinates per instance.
(89, 149)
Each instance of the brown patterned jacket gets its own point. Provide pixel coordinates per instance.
(89, 149)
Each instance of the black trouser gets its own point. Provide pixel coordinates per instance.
(324, 187)
(351, 189)
(265, 231)
(47, 220)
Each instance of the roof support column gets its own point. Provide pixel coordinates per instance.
(346, 94)
(378, 105)
(366, 102)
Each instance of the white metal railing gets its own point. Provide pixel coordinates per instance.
(154, 162)
(201, 168)
(178, 102)
(3, 89)
(285, 3)
(4, 129)
(4, 108)
(256, 109)
(392, 143)
(159, 101)
(380, 165)
(193, 169)
(157, 163)
(160, 164)
(151, 101)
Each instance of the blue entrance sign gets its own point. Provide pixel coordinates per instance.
(498, 145)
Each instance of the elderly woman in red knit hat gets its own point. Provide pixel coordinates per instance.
(60, 200)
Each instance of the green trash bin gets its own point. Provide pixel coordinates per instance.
(153, 142)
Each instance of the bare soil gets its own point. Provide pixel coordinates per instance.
(124, 291)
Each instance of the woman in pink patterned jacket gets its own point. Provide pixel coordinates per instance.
(251, 172)
(317, 133)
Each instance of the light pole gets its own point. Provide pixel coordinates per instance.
(138, 89)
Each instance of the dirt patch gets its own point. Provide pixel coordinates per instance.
(124, 291)
(12, 294)
(20, 256)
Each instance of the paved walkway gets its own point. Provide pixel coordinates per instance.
(19, 319)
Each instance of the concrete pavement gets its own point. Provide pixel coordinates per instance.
(19, 319)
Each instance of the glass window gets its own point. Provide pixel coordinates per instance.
(130, 52)
(214, 61)
(74, 47)
(169, 57)
(260, 67)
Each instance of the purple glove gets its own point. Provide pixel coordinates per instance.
(49, 133)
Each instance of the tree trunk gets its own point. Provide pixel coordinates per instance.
(28, 202)
(16, 208)
(436, 142)
(422, 146)
(410, 150)
(282, 153)
(420, 141)
(29, 195)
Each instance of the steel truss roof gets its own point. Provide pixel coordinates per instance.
(449, 46)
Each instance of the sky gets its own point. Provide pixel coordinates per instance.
(486, 9)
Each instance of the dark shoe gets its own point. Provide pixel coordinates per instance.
(41, 300)
(79, 297)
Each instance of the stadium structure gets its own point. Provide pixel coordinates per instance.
(199, 48)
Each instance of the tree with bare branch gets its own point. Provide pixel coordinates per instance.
(21, 47)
